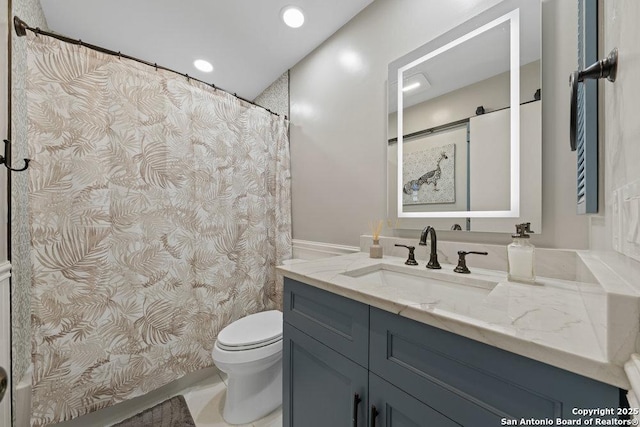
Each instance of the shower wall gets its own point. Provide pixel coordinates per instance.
(31, 12)
(276, 96)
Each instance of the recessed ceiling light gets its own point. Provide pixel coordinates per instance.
(203, 65)
(412, 83)
(411, 86)
(292, 16)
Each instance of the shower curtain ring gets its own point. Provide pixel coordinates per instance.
(6, 159)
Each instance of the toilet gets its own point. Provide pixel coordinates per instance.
(249, 351)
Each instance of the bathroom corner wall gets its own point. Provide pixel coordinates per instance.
(29, 11)
(276, 96)
(338, 121)
(621, 126)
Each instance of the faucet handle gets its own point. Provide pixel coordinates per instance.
(462, 262)
(412, 259)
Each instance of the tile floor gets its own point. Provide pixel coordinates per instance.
(205, 401)
(204, 392)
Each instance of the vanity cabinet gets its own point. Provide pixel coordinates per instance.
(407, 373)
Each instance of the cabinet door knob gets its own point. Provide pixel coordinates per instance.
(356, 401)
(374, 414)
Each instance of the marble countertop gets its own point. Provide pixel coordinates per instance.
(558, 322)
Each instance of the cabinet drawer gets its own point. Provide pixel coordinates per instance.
(339, 323)
(450, 372)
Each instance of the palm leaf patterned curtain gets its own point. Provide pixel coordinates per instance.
(158, 209)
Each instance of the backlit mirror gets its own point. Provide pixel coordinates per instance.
(465, 120)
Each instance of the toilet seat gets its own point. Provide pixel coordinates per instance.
(251, 332)
(247, 347)
(235, 358)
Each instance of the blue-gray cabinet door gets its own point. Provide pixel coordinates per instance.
(321, 387)
(391, 407)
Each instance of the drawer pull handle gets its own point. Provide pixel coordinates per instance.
(356, 401)
(374, 414)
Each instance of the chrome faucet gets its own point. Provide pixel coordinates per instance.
(433, 258)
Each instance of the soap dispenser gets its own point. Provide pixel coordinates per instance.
(521, 256)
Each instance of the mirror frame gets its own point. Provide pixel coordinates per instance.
(513, 17)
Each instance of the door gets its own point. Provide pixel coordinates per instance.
(321, 387)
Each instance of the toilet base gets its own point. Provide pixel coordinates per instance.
(251, 397)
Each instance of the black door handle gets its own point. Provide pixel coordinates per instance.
(3, 382)
(356, 401)
(372, 417)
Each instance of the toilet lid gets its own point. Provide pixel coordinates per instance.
(255, 330)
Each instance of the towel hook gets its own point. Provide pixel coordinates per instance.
(6, 159)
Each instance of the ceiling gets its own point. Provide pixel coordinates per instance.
(245, 40)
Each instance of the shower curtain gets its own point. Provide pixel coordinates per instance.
(159, 207)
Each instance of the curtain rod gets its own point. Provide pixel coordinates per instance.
(21, 28)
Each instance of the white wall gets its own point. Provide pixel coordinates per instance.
(621, 109)
(338, 121)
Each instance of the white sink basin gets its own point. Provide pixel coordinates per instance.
(394, 275)
(453, 292)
